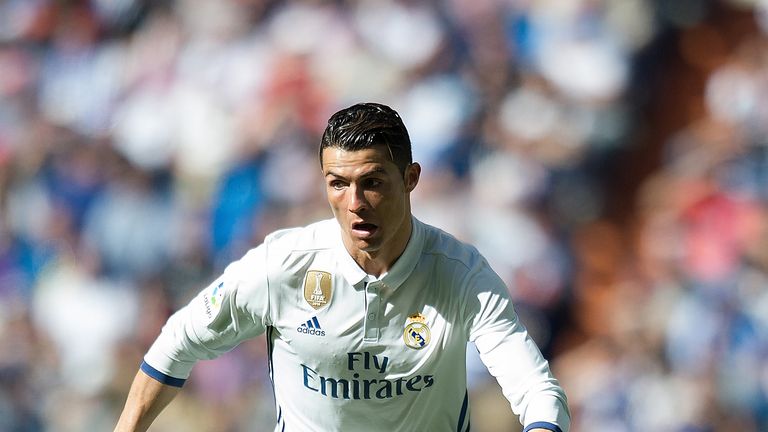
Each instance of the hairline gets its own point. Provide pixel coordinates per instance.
(379, 144)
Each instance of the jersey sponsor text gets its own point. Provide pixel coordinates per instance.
(357, 388)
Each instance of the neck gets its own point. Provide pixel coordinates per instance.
(372, 265)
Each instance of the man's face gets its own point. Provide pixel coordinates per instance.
(370, 199)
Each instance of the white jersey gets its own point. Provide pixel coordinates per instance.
(351, 352)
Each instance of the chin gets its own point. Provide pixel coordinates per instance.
(366, 245)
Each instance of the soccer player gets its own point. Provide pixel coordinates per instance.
(367, 315)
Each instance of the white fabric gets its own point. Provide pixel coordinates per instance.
(356, 371)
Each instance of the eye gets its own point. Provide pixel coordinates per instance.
(373, 183)
(338, 184)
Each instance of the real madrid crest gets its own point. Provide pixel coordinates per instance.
(416, 334)
(318, 288)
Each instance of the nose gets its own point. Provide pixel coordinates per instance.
(357, 201)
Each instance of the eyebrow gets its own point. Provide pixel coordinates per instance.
(377, 170)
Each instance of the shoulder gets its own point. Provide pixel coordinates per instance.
(444, 246)
(462, 276)
(286, 252)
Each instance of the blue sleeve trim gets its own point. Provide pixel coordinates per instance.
(543, 425)
(161, 377)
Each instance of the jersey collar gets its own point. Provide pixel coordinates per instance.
(399, 271)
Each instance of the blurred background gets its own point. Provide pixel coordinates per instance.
(609, 157)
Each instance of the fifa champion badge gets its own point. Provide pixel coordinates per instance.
(317, 288)
(416, 334)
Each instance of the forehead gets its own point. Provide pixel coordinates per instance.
(340, 161)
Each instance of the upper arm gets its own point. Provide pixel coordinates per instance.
(233, 308)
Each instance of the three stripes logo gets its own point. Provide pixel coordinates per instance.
(311, 327)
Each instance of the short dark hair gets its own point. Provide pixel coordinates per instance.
(366, 125)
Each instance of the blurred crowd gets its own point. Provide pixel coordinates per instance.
(610, 158)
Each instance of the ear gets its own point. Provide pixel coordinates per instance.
(412, 174)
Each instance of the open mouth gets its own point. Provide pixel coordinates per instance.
(364, 229)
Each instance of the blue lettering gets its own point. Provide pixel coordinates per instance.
(369, 361)
(381, 367)
(334, 385)
(367, 388)
(351, 359)
(428, 380)
(412, 382)
(307, 376)
(357, 387)
(385, 392)
(399, 386)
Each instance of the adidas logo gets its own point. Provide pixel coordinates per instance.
(311, 327)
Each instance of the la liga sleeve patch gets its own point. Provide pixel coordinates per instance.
(217, 306)
(213, 299)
